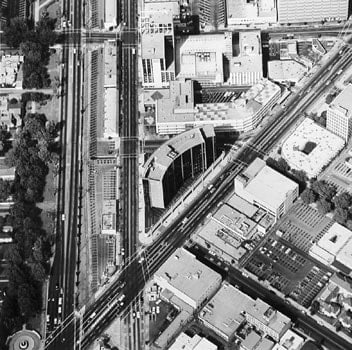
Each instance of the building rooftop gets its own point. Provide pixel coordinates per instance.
(241, 9)
(344, 256)
(10, 66)
(335, 239)
(257, 11)
(286, 70)
(222, 313)
(235, 221)
(201, 56)
(343, 101)
(110, 12)
(265, 344)
(178, 103)
(291, 341)
(242, 205)
(310, 147)
(214, 233)
(184, 342)
(185, 273)
(251, 340)
(266, 184)
(242, 108)
(164, 156)
(272, 318)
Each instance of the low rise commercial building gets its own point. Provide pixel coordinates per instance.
(187, 278)
(264, 318)
(242, 115)
(247, 67)
(311, 147)
(243, 12)
(284, 71)
(222, 315)
(334, 248)
(201, 57)
(182, 157)
(185, 342)
(110, 14)
(300, 11)
(290, 341)
(266, 188)
(339, 114)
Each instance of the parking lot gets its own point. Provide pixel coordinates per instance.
(287, 270)
(303, 225)
(160, 315)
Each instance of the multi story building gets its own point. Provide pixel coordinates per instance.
(201, 57)
(247, 67)
(244, 12)
(187, 278)
(339, 113)
(266, 188)
(264, 318)
(183, 341)
(182, 157)
(158, 44)
(212, 15)
(222, 315)
(295, 11)
(243, 114)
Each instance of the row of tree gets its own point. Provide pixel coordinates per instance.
(34, 42)
(29, 254)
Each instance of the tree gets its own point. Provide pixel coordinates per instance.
(349, 224)
(341, 215)
(283, 165)
(323, 189)
(343, 200)
(5, 189)
(315, 307)
(301, 177)
(324, 206)
(308, 196)
(329, 98)
(16, 32)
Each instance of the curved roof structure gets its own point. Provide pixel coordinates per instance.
(165, 155)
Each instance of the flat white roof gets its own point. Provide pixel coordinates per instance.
(184, 342)
(213, 232)
(223, 311)
(282, 70)
(344, 101)
(235, 221)
(267, 315)
(267, 185)
(110, 11)
(344, 256)
(185, 273)
(335, 238)
(291, 340)
(327, 145)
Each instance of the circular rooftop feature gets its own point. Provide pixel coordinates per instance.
(25, 339)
